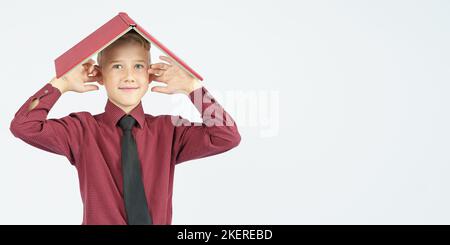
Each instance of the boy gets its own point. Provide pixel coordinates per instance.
(125, 159)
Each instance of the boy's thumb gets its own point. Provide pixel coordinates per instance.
(90, 87)
(161, 89)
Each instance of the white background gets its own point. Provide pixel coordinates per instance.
(363, 88)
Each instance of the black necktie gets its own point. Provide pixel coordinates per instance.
(133, 188)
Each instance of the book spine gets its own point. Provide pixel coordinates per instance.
(124, 16)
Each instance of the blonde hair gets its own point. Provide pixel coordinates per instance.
(130, 37)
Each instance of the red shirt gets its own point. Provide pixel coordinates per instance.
(92, 144)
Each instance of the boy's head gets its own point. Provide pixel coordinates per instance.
(123, 67)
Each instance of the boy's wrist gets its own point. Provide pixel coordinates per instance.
(194, 84)
(59, 83)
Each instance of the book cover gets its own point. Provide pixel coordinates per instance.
(103, 37)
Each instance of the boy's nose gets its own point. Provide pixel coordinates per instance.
(129, 77)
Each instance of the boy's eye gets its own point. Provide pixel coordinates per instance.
(118, 66)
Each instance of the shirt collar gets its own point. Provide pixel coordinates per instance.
(113, 114)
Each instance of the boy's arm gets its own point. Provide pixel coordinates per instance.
(31, 125)
(218, 132)
(60, 136)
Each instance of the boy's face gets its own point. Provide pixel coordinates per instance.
(124, 74)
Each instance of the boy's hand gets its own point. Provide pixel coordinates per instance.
(177, 79)
(77, 79)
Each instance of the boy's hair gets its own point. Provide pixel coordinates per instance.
(130, 37)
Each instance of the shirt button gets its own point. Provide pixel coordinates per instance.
(46, 91)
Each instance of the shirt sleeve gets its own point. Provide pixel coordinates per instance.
(60, 136)
(218, 132)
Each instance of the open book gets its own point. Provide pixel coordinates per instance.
(102, 38)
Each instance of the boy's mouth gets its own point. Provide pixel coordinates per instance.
(128, 89)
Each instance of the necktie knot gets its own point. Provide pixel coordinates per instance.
(127, 122)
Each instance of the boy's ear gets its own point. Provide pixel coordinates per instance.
(98, 73)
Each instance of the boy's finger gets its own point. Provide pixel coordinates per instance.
(168, 59)
(91, 69)
(157, 79)
(88, 63)
(161, 66)
(85, 66)
(161, 89)
(152, 77)
(156, 72)
(92, 79)
(90, 87)
(91, 61)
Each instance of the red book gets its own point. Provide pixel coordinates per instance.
(104, 36)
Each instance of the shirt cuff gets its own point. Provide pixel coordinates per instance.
(47, 95)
